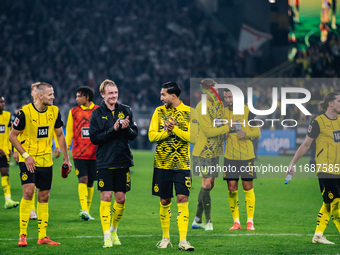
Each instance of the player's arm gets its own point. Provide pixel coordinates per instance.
(154, 134)
(193, 126)
(304, 147)
(131, 129)
(98, 135)
(57, 147)
(248, 131)
(58, 129)
(18, 127)
(9, 143)
(312, 133)
(206, 124)
(69, 130)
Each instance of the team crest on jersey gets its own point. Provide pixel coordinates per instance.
(77, 172)
(156, 188)
(101, 183)
(330, 195)
(336, 135)
(2, 129)
(121, 115)
(16, 121)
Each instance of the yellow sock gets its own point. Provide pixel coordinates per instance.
(82, 192)
(233, 204)
(250, 204)
(322, 219)
(42, 212)
(183, 220)
(6, 187)
(165, 217)
(90, 191)
(335, 212)
(105, 216)
(117, 213)
(24, 215)
(33, 200)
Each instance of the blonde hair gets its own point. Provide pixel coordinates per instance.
(106, 83)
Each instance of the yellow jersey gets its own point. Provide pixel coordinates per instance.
(172, 151)
(326, 133)
(5, 128)
(240, 148)
(37, 131)
(210, 139)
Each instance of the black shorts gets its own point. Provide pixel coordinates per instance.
(163, 180)
(329, 186)
(4, 161)
(114, 179)
(233, 169)
(86, 167)
(205, 167)
(42, 176)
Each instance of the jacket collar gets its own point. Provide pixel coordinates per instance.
(105, 106)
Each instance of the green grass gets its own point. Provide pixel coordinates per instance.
(285, 218)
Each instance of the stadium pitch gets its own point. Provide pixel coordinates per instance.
(285, 218)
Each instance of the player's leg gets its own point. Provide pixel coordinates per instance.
(327, 186)
(105, 186)
(43, 184)
(162, 186)
(105, 206)
(182, 181)
(92, 172)
(28, 184)
(250, 202)
(33, 213)
(4, 170)
(234, 203)
(81, 172)
(122, 184)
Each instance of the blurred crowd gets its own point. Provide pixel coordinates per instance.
(138, 44)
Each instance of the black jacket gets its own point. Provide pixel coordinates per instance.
(113, 149)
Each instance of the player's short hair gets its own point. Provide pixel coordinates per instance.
(209, 82)
(106, 83)
(172, 88)
(86, 92)
(328, 98)
(41, 86)
(226, 90)
(35, 85)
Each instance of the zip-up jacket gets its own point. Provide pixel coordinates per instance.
(113, 150)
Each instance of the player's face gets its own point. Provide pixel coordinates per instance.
(110, 95)
(336, 104)
(48, 96)
(166, 98)
(228, 98)
(2, 103)
(80, 99)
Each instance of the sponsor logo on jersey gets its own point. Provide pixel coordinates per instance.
(42, 132)
(16, 121)
(85, 132)
(336, 135)
(2, 129)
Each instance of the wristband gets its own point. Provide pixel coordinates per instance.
(25, 155)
